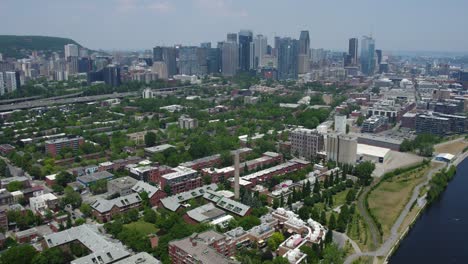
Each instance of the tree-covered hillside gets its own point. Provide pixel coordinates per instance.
(22, 46)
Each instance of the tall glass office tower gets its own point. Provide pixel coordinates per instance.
(367, 55)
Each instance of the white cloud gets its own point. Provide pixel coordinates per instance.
(221, 8)
(158, 6)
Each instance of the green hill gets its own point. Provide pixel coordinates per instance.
(22, 46)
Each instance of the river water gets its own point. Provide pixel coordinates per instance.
(440, 235)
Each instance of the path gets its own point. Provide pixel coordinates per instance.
(375, 234)
(390, 242)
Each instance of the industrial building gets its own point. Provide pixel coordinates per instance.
(306, 143)
(372, 153)
(341, 148)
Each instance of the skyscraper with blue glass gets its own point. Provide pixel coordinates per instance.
(367, 55)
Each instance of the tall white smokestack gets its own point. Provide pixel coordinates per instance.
(236, 174)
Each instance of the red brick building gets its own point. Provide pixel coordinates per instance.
(53, 146)
(104, 210)
(209, 247)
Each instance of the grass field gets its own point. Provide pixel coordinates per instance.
(364, 260)
(142, 227)
(389, 198)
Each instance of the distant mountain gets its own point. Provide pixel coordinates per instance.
(22, 46)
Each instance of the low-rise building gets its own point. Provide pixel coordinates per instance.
(181, 180)
(374, 124)
(227, 204)
(100, 248)
(174, 202)
(123, 186)
(209, 247)
(26, 236)
(185, 122)
(87, 180)
(204, 213)
(104, 210)
(157, 149)
(40, 204)
(155, 194)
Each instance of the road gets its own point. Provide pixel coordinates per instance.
(394, 237)
(83, 99)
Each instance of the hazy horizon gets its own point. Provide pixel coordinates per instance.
(397, 26)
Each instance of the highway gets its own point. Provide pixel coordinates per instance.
(84, 99)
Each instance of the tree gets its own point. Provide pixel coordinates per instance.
(63, 178)
(14, 186)
(275, 203)
(280, 260)
(71, 197)
(332, 254)
(332, 222)
(275, 240)
(99, 186)
(149, 215)
(52, 256)
(150, 139)
(86, 209)
(364, 172)
(22, 254)
(247, 222)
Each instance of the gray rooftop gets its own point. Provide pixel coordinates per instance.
(226, 203)
(174, 202)
(205, 212)
(103, 250)
(202, 251)
(95, 177)
(142, 186)
(102, 205)
(140, 258)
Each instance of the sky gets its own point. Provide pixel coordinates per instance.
(396, 25)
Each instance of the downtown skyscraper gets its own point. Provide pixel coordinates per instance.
(245, 39)
(353, 51)
(304, 52)
(260, 46)
(367, 55)
(229, 58)
(288, 51)
(168, 56)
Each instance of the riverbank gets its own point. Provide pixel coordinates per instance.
(440, 231)
(392, 242)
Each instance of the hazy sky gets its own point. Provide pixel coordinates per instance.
(427, 25)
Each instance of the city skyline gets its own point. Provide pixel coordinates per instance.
(135, 24)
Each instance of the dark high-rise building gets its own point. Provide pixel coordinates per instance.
(214, 60)
(232, 37)
(157, 53)
(111, 75)
(353, 51)
(245, 38)
(367, 55)
(85, 65)
(304, 42)
(288, 52)
(188, 61)
(378, 53)
(167, 55)
(206, 45)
